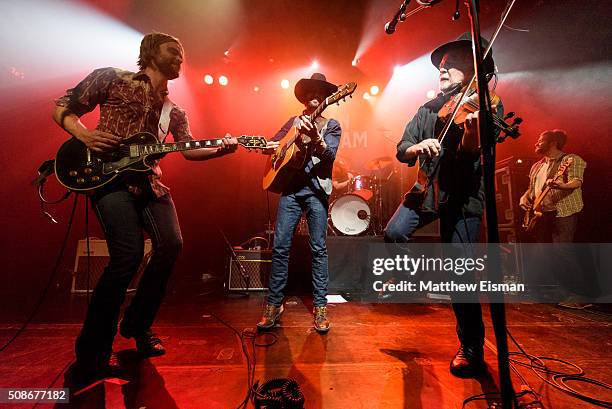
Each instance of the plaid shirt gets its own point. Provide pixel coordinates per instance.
(128, 105)
(565, 202)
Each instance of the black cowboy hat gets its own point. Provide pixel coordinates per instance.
(317, 83)
(463, 43)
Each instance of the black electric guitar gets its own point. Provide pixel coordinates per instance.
(79, 168)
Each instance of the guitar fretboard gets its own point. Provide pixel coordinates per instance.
(148, 149)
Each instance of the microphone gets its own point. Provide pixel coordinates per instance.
(399, 16)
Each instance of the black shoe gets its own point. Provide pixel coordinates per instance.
(468, 362)
(81, 375)
(149, 345)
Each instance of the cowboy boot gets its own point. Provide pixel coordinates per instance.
(271, 313)
(321, 323)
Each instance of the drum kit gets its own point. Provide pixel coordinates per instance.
(359, 210)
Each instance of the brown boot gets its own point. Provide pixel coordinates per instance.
(321, 323)
(270, 315)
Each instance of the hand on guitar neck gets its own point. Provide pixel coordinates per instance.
(309, 133)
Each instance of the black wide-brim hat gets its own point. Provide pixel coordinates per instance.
(463, 43)
(317, 84)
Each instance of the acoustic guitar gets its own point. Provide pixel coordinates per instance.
(289, 157)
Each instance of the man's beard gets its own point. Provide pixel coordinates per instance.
(167, 68)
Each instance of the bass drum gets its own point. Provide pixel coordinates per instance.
(350, 214)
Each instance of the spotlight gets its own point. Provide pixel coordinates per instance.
(256, 88)
(374, 90)
(226, 53)
(223, 80)
(285, 84)
(314, 65)
(366, 95)
(431, 94)
(208, 79)
(354, 62)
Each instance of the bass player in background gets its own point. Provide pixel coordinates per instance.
(562, 205)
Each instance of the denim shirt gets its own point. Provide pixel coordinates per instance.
(315, 177)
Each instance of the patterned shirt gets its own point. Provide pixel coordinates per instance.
(128, 105)
(564, 202)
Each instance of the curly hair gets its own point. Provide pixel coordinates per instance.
(558, 136)
(149, 46)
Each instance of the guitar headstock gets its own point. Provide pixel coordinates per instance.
(252, 142)
(344, 91)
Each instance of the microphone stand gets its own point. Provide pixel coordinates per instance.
(245, 276)
(487, 142)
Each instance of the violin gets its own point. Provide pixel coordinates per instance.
(468, 104)
(461, 103)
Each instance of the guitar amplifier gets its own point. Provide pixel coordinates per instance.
(98, 259)
(256, 274)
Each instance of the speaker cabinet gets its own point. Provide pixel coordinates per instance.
(98, 259)
(256, 274)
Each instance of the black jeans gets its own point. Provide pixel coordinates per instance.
(124, 218)
(454, 228)
(553, 229)
(572, 275)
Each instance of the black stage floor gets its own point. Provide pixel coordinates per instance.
(375, 356)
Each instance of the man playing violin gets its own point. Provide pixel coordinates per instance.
(456, 189)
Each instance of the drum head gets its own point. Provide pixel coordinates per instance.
(350, 214)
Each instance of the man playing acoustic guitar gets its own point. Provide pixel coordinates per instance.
(130, 103)
(307, 191)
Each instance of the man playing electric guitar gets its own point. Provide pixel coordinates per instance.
(307, 191)
(130, 103)
(559, 208)
(564, 202)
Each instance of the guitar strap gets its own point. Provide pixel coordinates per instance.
(164, 120)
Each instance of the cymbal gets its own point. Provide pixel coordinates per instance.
(379, 163)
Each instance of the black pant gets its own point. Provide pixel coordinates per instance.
(124, 218)
(553, 229)
(569, 270)
(460, 230)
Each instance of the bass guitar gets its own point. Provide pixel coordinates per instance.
(535, 211)
(288, 157)
(80, 169)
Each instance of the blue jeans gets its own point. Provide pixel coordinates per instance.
(454, 228)
(290, 208)
(123, 217)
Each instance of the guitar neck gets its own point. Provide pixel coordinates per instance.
(316, 113)
(153, 148)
